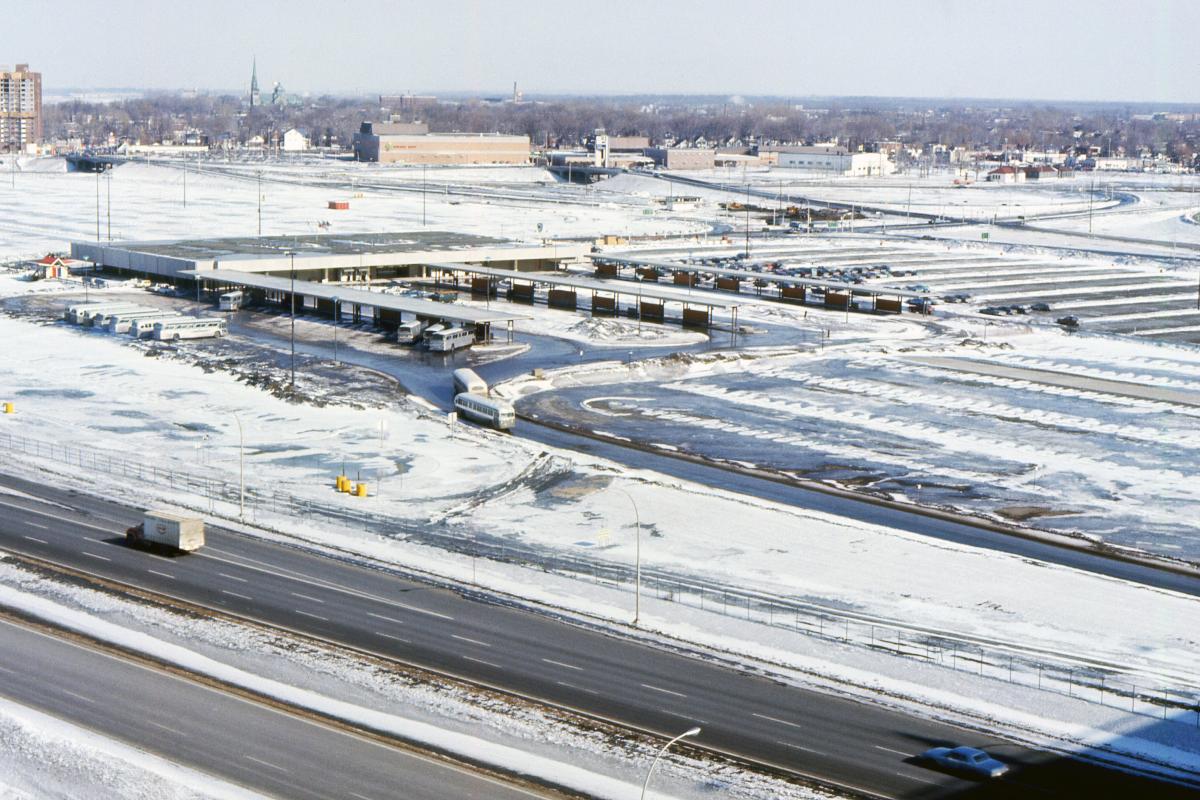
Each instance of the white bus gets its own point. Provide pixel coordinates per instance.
(409, 332)
(103, 320)
(465, 380)
(123, 322)
(86, 312)
(143, 327)
(189, 328)
(231, 301)
(498, 414)
(445, 341)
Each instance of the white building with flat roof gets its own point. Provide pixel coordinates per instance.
(832, 159)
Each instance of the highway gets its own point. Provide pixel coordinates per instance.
(257, 747)
(852, 744)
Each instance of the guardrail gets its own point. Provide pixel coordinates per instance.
(1090, 680)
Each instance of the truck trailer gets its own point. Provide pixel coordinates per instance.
(168, 530)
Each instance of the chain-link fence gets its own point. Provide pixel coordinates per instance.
(1096, 681)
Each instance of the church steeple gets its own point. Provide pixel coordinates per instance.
(255, 97)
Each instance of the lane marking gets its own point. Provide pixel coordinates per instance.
(579, 688)
(472, 641)
(360, 796)
(168, 728)
(481, 661)
(390, 636)
(664, 691)
(314, 616)
(57, 517)
(561, 664)
(914, 778)
(78, 696)
(689, 717)
(233, 577)
(287, 574)
(423, 611)
(306, 597)
(35, 539)
(266, 763)
(35, 525)
(801, 747)
(775, 719)
(385, 619)
(897, 752)
(93, 555)
(164, 574)
(235, 594)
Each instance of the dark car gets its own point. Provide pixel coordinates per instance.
(969, 761)
(1018, 309)
(1069, 321)
(1040, 307)
(991, 311)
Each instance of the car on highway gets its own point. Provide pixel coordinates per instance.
(1069, 321)
(1040, 307)
(970, 761)
(991, 311)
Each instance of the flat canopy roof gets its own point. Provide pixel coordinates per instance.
(585, 282)
(330, 291)
(308, 244)
(750, 274)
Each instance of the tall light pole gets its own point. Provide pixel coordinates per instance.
(665, 747)
(241, 469)
(637, 558)
(98, 168)
(292, 258)
(336, 315)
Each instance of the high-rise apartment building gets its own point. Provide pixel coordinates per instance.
(20, 107)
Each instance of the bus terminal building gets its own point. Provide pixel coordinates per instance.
(342, 258)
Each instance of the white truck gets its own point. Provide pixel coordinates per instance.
(167, 529)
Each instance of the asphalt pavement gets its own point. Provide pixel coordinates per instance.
(243, 742)
(853, 744)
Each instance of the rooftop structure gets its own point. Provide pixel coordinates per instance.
(20, 108)
(325, 257)
(411, 143)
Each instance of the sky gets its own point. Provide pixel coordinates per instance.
(1105, 50)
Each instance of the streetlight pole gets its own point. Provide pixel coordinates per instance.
(336, 315)
(241, 469)
(637, 556)
(657, 758)
(292, 257)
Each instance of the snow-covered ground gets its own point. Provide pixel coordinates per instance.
(1122, 469)
(478, 482)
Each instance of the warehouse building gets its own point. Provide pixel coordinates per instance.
(412, 143)
(831, 159)
(325, 258)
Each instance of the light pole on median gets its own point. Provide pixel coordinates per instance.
(637, 558)
(657, 758)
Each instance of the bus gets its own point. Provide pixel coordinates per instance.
(409, 332)
(189, 328)
(231, 301)
(498, 414)
(449, 339)
(84, 312)
(143, 327)
(103, 320)
(123, 323)
(466, 381)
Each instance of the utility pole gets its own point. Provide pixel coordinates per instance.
(185, 183)
(260, 202)
(292, 258)
(108, 200)
(422, 195)
(97, 202)
(1091, 199)
(747, 220)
